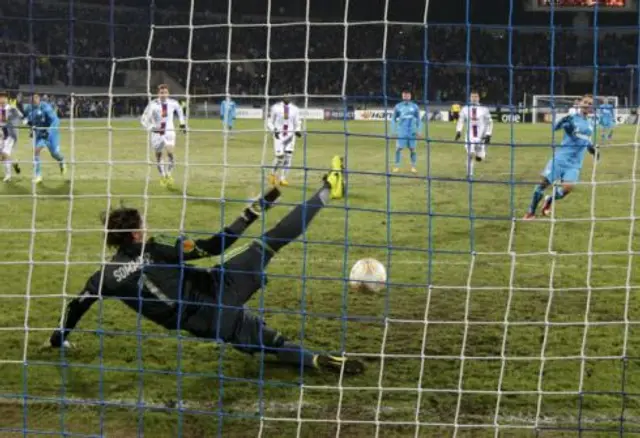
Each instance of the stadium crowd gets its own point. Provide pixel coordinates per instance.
(79, 51)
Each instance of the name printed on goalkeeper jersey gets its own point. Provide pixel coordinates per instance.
(124, 271)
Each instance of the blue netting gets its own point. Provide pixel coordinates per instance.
(76, 45)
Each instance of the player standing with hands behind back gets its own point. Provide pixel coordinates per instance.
(158, 120)
(406, 126)
(284, 122)
(477, 120)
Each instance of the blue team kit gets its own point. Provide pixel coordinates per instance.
(566, 163)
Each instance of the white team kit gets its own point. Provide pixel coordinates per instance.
(284, 122)
(476, 119)
(158, 118)
(7, 133)
(284, 119)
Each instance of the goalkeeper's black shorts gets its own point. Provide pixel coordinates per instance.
(233, 284)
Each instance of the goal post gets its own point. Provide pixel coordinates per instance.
(546, 108)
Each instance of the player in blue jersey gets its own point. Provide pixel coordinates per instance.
(567, 160)
(406, 124)
(606, 120)
(228, 113)
(44, 124)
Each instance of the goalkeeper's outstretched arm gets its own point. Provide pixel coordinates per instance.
(76, 310)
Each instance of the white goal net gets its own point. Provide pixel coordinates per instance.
(488, 325)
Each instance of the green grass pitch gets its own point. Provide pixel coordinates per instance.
(435, 355)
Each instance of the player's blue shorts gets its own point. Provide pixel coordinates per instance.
(406, 142)
(556, 170)
(52, 142)
(607, 130)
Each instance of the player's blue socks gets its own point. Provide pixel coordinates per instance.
(57, 156)
(559, 193)
(398, 157)
(37, 165)
(538, 194)
(414, 158)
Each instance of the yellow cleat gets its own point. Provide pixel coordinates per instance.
(37, 180)
(273, 180)
(395, 170)
(338, 364)
(63, 169)
(414, 170)
(163, 181)
(335, 177)
(169, 182)
(284, 183)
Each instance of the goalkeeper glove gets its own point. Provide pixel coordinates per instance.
(487, 139)
(276, 134)
(458, 135)
(184, 128)
(593, 150)
(298, 134)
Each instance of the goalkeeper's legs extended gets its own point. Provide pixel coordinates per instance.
(246, 266)
(253, 336)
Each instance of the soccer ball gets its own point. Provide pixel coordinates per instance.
(368, 274)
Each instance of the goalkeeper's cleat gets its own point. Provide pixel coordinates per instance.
(414, 170)
(396, 170)
(37, 179)
(163, 181)
(546, 207)
(16, 167)
(63, 169)
(6, 179)
(169, 181)
(335, 177)
(284, 183)
(529, 216)
(336, 364)
(273, 179)
(261, 204)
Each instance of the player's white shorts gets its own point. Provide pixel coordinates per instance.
(6, 146)
(160, 142)
(476, 147)
(284, 144)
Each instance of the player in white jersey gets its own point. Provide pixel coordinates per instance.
(285, 124)
(9, 117)
(158, 120)
(477, 120)
(575, 109)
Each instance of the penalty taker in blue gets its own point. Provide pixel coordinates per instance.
(152, 279)
(567, 160)
(406, 125)
(45, 125)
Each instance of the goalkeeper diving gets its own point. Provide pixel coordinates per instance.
(567, 160)
(152, 279)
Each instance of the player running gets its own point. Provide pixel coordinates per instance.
(228, 113)
(45, 124)
(9, 116)
(285, 124)
(566, 163)
(607, 120)
(158, 120)
(476, 118)
(406, 125)
(152, 279)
